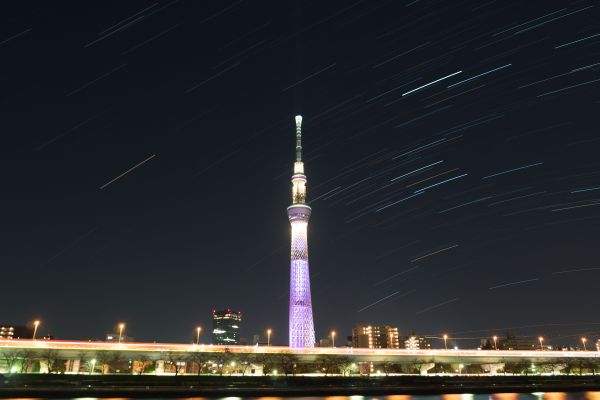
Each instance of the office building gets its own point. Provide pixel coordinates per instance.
(226, 326)
(375, 337)
(414, 342)
(9, 331)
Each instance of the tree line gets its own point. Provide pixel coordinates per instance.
(227, 362)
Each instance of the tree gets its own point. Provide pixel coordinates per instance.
(51, 358)
(245, 360)
(475, 369)
(387, 367)
(143, 363)
(222, 359)
(13, 361)
(516, 368)
(174, 358)
(115, 361)
(199, 359)
(417, 364)
(552, 365)
(287, 363)
(328, 363)
(266, 361)
(587, 364)
(441, 368)
(103, 358)
(345, 365)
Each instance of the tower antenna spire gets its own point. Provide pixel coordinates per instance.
(298, 137)
(302, 328)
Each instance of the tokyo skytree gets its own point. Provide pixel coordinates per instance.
(302, 330)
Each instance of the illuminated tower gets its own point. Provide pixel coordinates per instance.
(302, 330)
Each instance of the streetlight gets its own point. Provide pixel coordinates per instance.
(36, 323)
(541, 339)
(445, 341)
(583, 340)
(93, 366)
(332, 338)
(121, 327)
(198, 330)
(268, 337)
(495, 342)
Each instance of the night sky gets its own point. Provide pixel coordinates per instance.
(451, 148)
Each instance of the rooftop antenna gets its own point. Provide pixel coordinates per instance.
(298, 137)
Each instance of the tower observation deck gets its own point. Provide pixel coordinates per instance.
(302, 330)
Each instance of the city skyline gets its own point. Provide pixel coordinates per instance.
(452, 152)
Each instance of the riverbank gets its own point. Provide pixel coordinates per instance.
(64, 386)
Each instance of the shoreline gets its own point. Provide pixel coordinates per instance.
(65, 386)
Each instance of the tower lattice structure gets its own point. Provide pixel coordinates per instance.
(302, 330)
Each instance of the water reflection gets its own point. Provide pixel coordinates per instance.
(397, 397)
(504, 396)
(463, 396)
(555, 396)
(451, 396)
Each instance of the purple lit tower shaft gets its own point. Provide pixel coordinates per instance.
(302, 330)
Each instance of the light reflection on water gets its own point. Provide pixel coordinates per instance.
(463, 396)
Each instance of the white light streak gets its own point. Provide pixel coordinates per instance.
(439, 183)
(400, 55)
(308, 77)
(465, 204)
(436, 306)
(568, 271)
(378, 301)
(513, 283)
(15, 36)
(585, 190)
(196, 86)
(568, 87)
(431, 83)
(433, 253)
(550, 20)
(395, 275)
(416, 170)
(585, 67)
(391, 90)
(527, 22)
(576, 41)
(128, 171)
(512, 170)
(477, 76)
(419, 148)
(74, 347)
(396, 202)
(516, 198)
(572, 207)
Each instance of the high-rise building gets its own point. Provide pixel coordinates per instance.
(375, 337)
(8, 331)
(226, 326)
(511, 342)
(416, 343)
(301, 328)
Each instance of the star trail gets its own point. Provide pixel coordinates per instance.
(451, 150)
